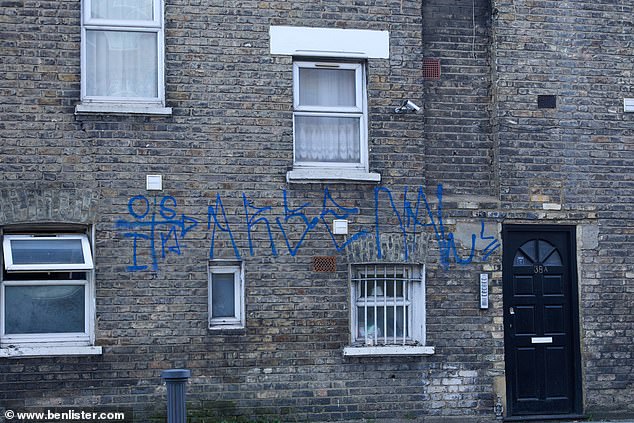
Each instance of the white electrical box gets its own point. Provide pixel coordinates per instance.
(484, 290)
(340, 227)
(154, 182)
(628, 104)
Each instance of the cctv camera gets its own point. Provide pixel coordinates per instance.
(408, 106)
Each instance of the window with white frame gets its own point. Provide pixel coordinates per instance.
(226, 295)
(330, 117)
(387, 310)
(47, 290)
(122, 56)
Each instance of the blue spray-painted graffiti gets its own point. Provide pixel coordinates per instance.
(154, 221)
(150, 220)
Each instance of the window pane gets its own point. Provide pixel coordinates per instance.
(121, 64)
(47, 251)
(553, 260)
(373, 328)
(379, 327)
(222, 295)
(327, 87)
(122, 9)
(327, 139)
(44, 309)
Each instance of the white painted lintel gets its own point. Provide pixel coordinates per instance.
(329, 42)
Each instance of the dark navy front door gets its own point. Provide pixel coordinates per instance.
(540, 321)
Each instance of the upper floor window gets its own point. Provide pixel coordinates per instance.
(330, 120)
(330, 115)
(330, 99)
(122, 45)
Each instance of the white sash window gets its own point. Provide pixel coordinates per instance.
(330, 115)
(122, 56)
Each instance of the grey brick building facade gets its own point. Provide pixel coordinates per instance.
(516, 170)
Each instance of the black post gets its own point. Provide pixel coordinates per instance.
(176, 381)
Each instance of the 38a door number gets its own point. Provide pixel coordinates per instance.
(539, 269)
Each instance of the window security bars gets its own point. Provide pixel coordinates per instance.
(383, 304)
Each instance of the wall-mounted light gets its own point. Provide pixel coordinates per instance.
(408, 106)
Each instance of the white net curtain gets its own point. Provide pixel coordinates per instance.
(123, 62)
(327, 137)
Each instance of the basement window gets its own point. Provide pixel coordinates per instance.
(226, 295)
(387, 310)
(47, 295)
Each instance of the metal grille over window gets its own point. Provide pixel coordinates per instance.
(383, 296)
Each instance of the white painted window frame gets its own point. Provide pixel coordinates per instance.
(358, 111)
(415, 344)
(238, 319)
(68, 338)
(35, 267)
(52, 344)
(124, 105)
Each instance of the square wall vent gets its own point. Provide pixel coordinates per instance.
(546, 102)
(431, 68)
(324, 264)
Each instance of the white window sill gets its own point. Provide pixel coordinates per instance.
(122, 109)
(331, 174)
(226, 328)
(48, 351)
(388, 351)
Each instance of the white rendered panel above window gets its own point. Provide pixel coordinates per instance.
(50, 253)
(329, 42)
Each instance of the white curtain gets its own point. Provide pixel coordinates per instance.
(327, 139)
(141, 10)
(122, 63)
(330, 138)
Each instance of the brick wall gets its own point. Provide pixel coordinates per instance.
(576, 157)
(480, 136)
